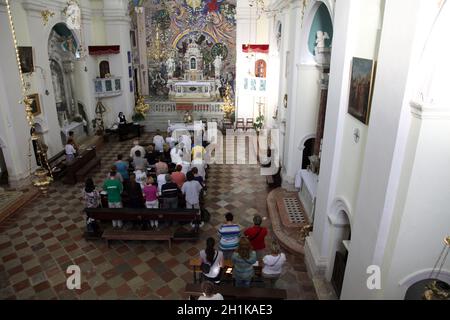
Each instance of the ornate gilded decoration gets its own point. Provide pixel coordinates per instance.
(46, 15)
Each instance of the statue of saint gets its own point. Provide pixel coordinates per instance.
(170, 64)
(217, 65)
(321, 36)
(73, 14)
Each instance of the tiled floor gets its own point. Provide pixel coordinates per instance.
(46, 236)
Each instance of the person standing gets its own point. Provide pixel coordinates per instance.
(122, 167)
(178, 177)
(133, 193)
(160, 166)
(191, 189)
(256, 235)
(70, 150)
(214, 259)
(273, 264)
(139, 162)
(91, 200)
(136, 146)
(117, 175)
(158, 140)
(169, 193)
(151, 198)
(229, 234)
(114, 189)
(243, 260)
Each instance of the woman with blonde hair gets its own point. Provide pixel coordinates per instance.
(273, 264)
(243, 260)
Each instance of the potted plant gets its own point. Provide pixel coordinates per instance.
(259, 123)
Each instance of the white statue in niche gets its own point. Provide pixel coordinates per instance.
(217, 65)
(321, 36)
(170, 64)
(73, 14)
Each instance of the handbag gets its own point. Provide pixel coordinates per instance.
(206, 267)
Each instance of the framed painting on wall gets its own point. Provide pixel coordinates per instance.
(361, 89)
(35, 104)
(26, 59)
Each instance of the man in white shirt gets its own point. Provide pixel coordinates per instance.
(70, 150)
(191, 189)
(135, 148)
(158, 140)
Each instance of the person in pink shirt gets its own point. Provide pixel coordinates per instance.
(178, 177)
(151, 198)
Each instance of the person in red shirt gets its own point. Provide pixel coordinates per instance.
(256, 235)
(178, 177)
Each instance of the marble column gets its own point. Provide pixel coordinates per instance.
(322, 113)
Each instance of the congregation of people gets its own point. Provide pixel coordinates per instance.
(161, 175)
(244, 250)
(166, 173)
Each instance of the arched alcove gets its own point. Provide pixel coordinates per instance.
(104, 68)
(317, 18)
(308, 149)
(340, 236)
(260, 68)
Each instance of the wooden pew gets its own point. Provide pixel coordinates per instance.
(232, 293)
(144, 214)
(77, 164)
(195, 263)
(83, 172)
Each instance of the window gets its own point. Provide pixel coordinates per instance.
(260, 68)
(104, 68)
(193, 64)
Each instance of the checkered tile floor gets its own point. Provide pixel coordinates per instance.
(46, 236)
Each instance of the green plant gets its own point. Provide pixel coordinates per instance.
(259, 123)
(138, 117)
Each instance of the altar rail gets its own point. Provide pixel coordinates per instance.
(169, 107)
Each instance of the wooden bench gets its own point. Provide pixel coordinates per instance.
(164, 235)
(195, 263)
(233, 293)
(81, 174)
(78, 164)
(144, 214)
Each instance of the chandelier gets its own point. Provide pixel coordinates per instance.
(43, 174)
(434, 290)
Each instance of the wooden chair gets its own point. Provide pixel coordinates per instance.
(240, 123)
(249, 123)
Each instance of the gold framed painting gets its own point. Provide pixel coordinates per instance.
(361, 83)
(35, 104)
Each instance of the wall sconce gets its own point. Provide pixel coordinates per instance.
(85, 69)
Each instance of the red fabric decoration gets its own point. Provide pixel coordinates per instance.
(185, 107)
(103, 50)
(259, 48)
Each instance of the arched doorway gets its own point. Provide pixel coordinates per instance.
(340, 237)
(3, 168)
(260, 68)
(308, 149)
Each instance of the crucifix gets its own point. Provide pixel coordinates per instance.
(259, 104)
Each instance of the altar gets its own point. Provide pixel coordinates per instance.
(194, 85)
(188, 91)
(307, 182)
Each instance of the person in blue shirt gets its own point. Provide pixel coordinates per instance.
(122, 167)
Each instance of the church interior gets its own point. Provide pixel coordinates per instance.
(224, 149)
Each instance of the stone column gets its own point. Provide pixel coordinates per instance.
(142, 51)
(322, 113)
(68, 67)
